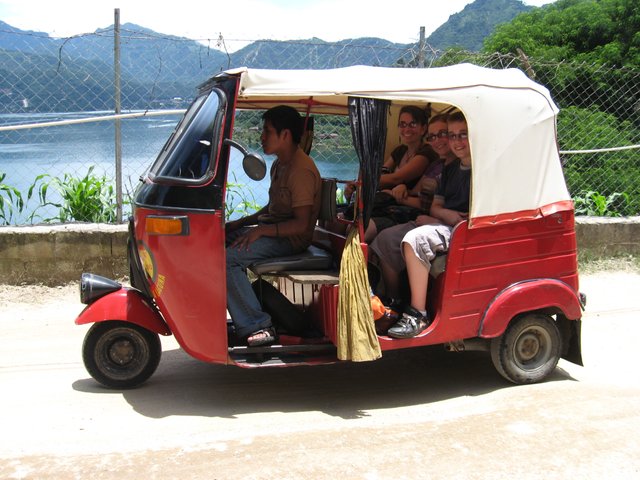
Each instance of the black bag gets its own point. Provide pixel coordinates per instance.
(285, 316)
(381, 201)
(385, 205)
(403, 213)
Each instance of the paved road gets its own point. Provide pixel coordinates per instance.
(418, 414)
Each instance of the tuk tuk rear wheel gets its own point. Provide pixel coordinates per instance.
(529, 349)
(120, 354)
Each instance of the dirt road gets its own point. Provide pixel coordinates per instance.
(418, 414)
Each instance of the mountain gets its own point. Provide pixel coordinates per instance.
(23, 40)
(467, 29)
(316, 53)
(44, 74)
(76, 73)
(148, 56)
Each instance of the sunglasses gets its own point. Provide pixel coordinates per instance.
(459, 136)
(432, 136)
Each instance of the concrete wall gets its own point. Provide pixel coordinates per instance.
(55, 255)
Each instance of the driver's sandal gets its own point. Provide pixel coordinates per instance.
(265, 336)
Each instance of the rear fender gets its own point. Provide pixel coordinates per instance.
(127, 305)
(531, 295)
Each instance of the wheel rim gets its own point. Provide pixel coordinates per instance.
(533, 348)
(122, 354)
(122, 351)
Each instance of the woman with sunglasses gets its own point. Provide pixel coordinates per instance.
(404, 169)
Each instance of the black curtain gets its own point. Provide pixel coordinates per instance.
(368, 119)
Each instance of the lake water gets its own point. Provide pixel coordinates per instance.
(73, 149)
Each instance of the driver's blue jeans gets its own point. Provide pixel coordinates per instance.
(243, 305)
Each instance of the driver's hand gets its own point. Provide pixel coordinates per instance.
(244, 241)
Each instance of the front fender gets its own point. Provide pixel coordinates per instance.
(127, 305)
(528, 296)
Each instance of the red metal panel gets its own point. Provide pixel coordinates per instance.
(127, 305)
(525, 297)
(187, 274)
(329, 301)
(482, 262)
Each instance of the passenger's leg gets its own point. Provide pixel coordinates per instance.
(419, 247)
(371, 231)
(391, 279)
(418, 278)
(387, 246)
(242, 303)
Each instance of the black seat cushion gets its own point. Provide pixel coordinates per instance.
(313, 258)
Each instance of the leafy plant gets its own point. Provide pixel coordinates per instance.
(595, 204)
(88, 199)
(239, 200)
(11, 201)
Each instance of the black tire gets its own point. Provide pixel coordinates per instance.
(120, 354)
(529, 349)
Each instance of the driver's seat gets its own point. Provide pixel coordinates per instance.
(313, 258)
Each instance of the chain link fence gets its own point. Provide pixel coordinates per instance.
(50, 156)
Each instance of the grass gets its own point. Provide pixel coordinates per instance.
(626, 263)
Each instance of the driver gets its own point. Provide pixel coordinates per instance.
(283, 227)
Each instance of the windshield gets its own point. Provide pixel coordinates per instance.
(187, 156)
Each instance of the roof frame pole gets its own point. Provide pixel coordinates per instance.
(306, 119)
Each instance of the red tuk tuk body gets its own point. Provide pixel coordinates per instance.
(510, 279)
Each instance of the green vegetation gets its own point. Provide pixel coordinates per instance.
(613, 178)
(595, 204)
(604, 32)
(11, 202)
(91, 198)
(598, 103)
(240, 200)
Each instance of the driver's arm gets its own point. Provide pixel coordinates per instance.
(245, 221)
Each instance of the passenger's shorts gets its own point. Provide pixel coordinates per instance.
(427, 241)
(387, 245)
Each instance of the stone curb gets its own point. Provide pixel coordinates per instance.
(58, 254)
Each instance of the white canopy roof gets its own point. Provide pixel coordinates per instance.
(511, 119)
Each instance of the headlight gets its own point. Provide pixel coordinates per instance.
(92, 287)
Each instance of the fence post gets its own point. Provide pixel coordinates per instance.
(421, 49)
(118, 110)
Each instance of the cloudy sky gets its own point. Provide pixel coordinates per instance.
(330, 20)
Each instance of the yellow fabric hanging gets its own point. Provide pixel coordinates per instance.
(357, 339)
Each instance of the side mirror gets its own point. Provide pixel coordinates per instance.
(253, 164)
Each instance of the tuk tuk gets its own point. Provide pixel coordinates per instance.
(509, 282)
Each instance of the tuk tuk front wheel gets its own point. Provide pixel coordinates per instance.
(528, 350)
(119, 354)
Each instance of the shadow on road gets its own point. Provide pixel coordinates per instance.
(185, 386)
